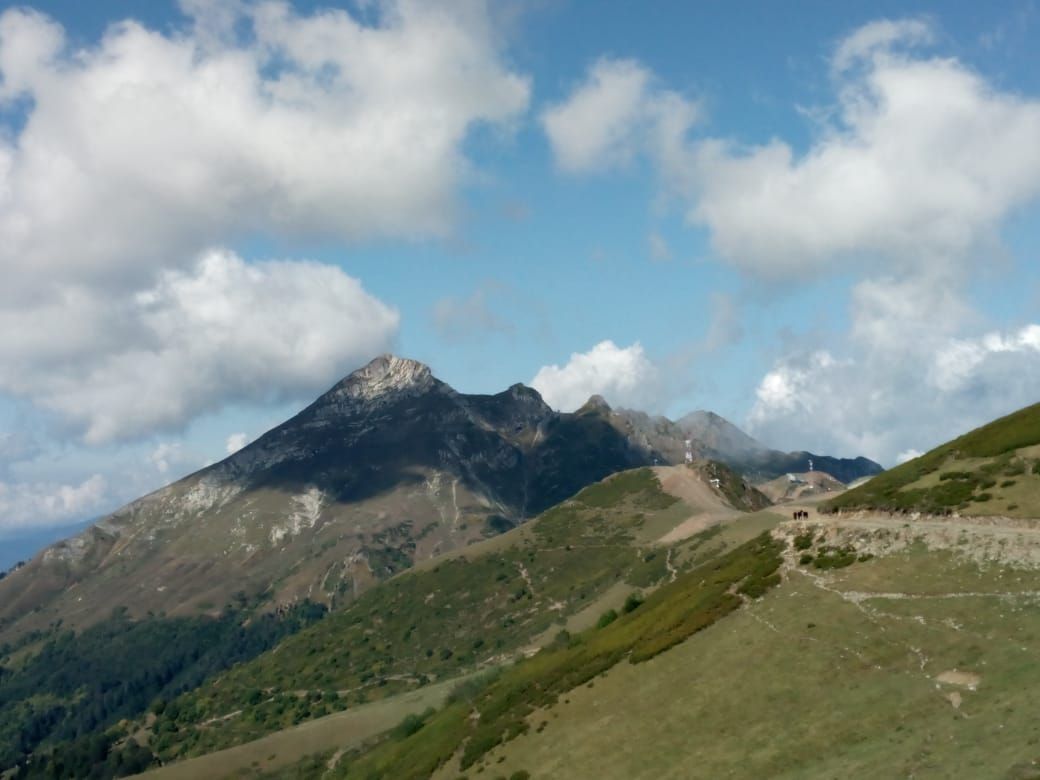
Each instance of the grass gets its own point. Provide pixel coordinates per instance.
(343, 730)
(669, 616)
(466, 611)
(639, 486)
(957, 474)
(804, 683)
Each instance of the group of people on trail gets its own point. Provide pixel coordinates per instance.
(801, 514)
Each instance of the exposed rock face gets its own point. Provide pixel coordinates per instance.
(385, 379)
(389, 466)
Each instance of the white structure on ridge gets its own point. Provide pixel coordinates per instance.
(689, 451)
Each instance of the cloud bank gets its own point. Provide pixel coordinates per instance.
(616, 114)
(141, 153)
(905, 186)
(223, 331)
(34, 504)
(625, 376)
(148, 147)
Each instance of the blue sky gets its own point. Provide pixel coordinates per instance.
(819, 220)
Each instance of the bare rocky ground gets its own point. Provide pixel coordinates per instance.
(994, 540)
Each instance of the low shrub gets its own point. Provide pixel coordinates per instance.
(835, 559)
(803, 541)
(633, 602)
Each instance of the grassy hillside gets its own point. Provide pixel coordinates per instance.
(580, 564)
(994, 469)
(468, 610)
(472, 726)
(918, 665)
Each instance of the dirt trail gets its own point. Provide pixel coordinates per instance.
(672, 571)
(709, 507)
(686, 484)
(526, 578)
(1006, 540)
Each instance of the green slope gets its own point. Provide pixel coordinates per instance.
(915, 664)
(469, 610)
(499, 713)
(994, 469)
(918, 665)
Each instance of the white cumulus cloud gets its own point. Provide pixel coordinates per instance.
(223, 331)
(34, 504)
(615, 114)
(920, 164)
(144, 150)
(165, 454)
(235, 442)
(148, 146)
(625, 376)
(876, 38)
(906, 181)
(889, 402)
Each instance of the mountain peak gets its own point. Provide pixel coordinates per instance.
(386, 375)
(596, 403)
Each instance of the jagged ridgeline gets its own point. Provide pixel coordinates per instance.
(992, 470)
(389, 467)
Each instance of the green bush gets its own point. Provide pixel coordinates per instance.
(606, 618)
(633, 602)
(756, 587)
(803, 541)
(411, 724)
(835, 559)
(805, 559)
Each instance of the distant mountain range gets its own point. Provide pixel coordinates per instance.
(716, 438)
(389, 467)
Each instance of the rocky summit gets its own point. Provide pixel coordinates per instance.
(388, 467)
